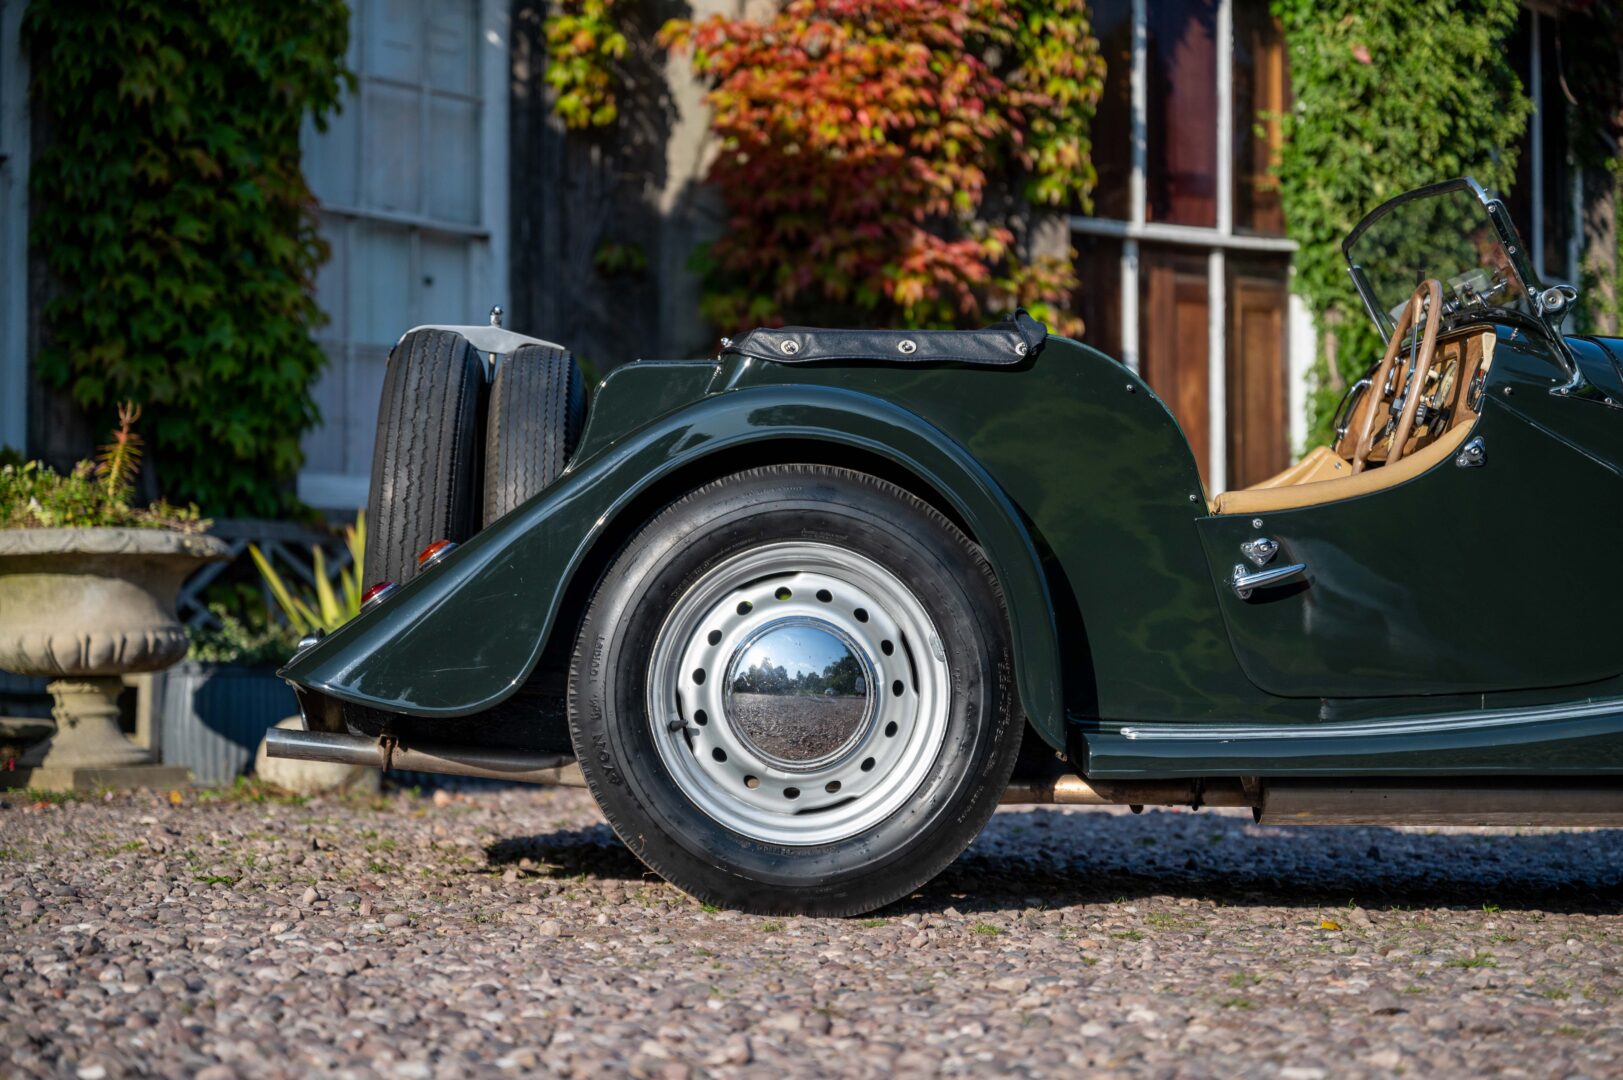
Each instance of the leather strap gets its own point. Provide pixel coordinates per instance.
(1008, 342)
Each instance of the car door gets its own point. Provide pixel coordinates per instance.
(1487, 572)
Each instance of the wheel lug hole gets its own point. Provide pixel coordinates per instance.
(825, 596)
(886, 647)
(698, 675)
(783, 593)
(895, 687)
(867, 764)
(861, 614)
(791, 793)
(745, 607)
(700, 717)
(752, 782)
(890, 730)
(719, 754)
(715, 637)
(832, 787)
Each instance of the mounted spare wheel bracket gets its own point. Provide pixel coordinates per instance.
(492, 339)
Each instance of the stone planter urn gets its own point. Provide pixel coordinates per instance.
(85, 607)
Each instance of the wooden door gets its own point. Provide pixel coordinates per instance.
(1174, 337)
(1258, 437)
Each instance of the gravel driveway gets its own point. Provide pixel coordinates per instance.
(499, 932)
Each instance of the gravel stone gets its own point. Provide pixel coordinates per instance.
(507, 932)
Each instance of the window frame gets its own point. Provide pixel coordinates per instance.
(488, 237)
(1216, 242)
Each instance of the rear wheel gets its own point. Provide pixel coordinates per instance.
(425, 462)
(792, 692)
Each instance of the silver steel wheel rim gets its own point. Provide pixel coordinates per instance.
(699, 723)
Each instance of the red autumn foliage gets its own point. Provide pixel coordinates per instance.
(860, 143)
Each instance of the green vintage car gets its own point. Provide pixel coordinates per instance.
(805, 612)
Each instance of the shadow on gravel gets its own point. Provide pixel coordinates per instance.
(1053, 858)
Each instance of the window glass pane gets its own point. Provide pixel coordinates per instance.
(363, 388)
(394, 39)
(1261, 96)
(1098, 298)
(443, 296)
(451, 53)
(380, 285)
(1181, 177)
(453, 182)
(1173, 337)
(329, 156)
(390, 160)
(1112, 123)
(332, 281)
(1257, 434)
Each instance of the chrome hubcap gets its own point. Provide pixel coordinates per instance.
(799, 693)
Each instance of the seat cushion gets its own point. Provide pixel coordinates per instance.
(1263, 500)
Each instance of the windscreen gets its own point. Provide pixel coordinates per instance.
(1446, 232)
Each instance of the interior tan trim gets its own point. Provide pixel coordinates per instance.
(1294, 496)
(1319, 463)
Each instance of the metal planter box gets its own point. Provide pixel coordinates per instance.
(214, 716)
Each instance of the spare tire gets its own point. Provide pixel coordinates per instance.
(537, 408)
(425, 463)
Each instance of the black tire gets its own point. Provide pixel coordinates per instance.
(537, 408)
(426, 472)
(615, 740)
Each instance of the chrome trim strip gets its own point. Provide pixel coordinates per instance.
(1416, 725)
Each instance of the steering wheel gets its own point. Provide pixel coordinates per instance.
(1428, 296)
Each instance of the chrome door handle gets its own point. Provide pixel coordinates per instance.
(1245, 582)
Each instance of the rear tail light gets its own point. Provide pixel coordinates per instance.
(433, 553)
(378, 593)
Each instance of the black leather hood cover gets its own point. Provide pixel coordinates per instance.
(1003, 343)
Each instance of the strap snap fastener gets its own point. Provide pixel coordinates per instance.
(788, 348)
(907, 346)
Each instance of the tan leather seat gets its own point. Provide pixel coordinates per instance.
(1263, 499)
(1319, 463)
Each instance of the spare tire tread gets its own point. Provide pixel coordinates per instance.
(537, 411)
(425, 462)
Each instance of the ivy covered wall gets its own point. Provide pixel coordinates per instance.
(177, 228)
(1389, 95)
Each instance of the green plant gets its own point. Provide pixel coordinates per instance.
(118, 461)
(1389, 95)
(236, 642)
(326, 609)
(178, 229)
(880, 160)
(584, 48)
(33, 495)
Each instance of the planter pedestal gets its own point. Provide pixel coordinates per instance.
(89, 750)
(84, 607)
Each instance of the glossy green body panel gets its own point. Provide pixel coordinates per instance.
(1420, 588)
(1076, 480)
(462, 638)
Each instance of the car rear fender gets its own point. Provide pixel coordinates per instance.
(462, 638)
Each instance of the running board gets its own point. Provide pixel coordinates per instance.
(1527, 801)
(1564, 802)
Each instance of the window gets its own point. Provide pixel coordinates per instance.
(1112, 121)
(1184, 264)
(1182, 112)
(1261, 92)
(411, 178)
